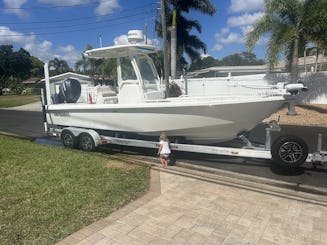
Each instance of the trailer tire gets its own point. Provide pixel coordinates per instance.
(68, 139)
(289, 151)
(86, 142)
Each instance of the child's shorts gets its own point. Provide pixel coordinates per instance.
(164, 155)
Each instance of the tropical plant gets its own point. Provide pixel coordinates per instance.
(291, 24)
(87, 66)
(36, 67)
(186, 42)
(57, 66)
(237, 59)
(15, 66)
(83, 65)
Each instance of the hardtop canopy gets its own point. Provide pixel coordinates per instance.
(121, 51)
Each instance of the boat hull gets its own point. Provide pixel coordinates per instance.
(196, 122)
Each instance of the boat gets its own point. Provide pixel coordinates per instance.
(140, 109)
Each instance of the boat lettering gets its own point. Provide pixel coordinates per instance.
(61, 114)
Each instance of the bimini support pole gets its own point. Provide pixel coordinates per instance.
(47, 84)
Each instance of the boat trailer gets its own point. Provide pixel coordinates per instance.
(288, 151)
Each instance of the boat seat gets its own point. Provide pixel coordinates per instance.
(106, 91)
(106, 95)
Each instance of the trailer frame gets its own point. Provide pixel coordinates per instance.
(89, 140)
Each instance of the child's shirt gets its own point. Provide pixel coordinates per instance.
(165, 147)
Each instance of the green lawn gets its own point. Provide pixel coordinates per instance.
(17, 100)
(49, 192)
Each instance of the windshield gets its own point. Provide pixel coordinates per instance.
(127, 70)
(148, 73)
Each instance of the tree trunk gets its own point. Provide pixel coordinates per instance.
(173, 46)
(305, 60)
(165, 47)
(294, 75)
(316, 64)
(295, 61)
(322, 60)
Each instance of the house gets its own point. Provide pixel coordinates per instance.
(32, 82)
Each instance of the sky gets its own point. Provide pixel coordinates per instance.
(63, 28)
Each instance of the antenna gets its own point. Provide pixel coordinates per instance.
(146, 34)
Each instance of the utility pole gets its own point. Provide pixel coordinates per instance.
(165, 46)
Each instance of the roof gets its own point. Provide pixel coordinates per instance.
(32, 80)
(63, 76)
(121, 51)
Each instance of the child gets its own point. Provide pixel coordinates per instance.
(163, 150)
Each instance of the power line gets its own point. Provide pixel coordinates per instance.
(84, 29)
(50, 7)
(55, 6)
(75, 19)
(84, 24)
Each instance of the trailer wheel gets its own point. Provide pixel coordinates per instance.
(68, 139)
(86, 142)
(289, 151)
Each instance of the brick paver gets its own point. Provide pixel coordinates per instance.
(192, 211)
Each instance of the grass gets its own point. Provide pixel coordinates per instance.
(48, 192)
(17, 100)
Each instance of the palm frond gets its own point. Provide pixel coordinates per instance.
(204, 6)
(279, 41)
(261, 27)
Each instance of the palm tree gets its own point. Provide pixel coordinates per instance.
(57, 66)
(87, 66)
(291, 24)
(185, 41)
(81, 65)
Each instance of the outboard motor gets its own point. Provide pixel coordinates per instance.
(69, 91)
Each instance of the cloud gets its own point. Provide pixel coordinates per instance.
(41, 50)
(238, 6)
(205, 56)
(104, 7)
(63, 2)
(69, 53)
(217, 47)
(8, 36)
(44, 50)
(121, 40)
(226, 37)
(244, 20)
(107, 7)
(237, 26)
(14, 7)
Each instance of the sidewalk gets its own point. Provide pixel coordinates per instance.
(36, 106)
(184, 210)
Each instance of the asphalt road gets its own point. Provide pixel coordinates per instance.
(29, 124)
(23, 123)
